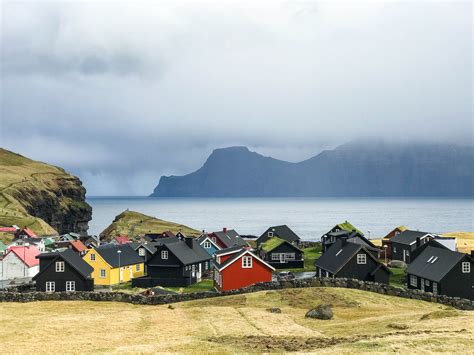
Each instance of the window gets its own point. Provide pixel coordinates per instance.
(141, 251)
(137, 267)
(59, 266)
(207, 244)
(50, 286)
(102, 273)
(327, 274)
(361, 259)
(270, 234)
(466, 267)
(92, 257)
(164, 254)
(435, 288)
(394, 249)
(413, 281)
(206, 265)
(427, 282)
(247, 262)
(339, 252)
(70, 286)
(214, 239)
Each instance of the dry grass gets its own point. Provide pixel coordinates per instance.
(465, 240)
(363, 322)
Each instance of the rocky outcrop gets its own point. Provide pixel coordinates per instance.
(43, 197)
(323, 312)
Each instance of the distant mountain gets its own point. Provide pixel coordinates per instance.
(353, 169)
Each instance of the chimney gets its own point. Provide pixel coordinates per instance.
(189, 241)
(417, 241)
(224, 229)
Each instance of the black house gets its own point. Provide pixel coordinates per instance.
(63, 271)
(281, 254)
(175, 263)
(442, 271)
(351, 236)
(283, 232)
(406, 246)
(351, 260)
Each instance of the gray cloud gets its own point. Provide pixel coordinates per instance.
(123, 92)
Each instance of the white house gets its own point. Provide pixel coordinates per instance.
(38, 242)
(20, 262)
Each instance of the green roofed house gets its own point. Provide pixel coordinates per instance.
(346, 231)
(48, 243)
(281, 254)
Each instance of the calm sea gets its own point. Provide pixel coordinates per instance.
(308, 217)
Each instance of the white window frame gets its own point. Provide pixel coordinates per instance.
(59, 266)
(70, 286)
(466, 267)
(137, 267)
(361, 259)
(435, 288)
(207, 244)
(164, 254)
(394, 249)
(141, 252)
(247, 262)
(413, 281)
(50, 286)
(427, 282)
(102, 273)
(206, 265)
(270, 234)
(92, 257)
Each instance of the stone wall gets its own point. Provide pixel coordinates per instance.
(24, 296)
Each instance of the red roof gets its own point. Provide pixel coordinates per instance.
(79, 246)
(122, 239)
(8, 229)
(29, 232)
(27, 254)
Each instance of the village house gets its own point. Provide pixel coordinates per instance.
(174, 263)
(38, 242)
(346, 231)
(406, 246)
(281, 254)
(25, 233)
(442, 272)
(207, 243)
(114, 264)
(3, 248)
(238, 267)
(386, 248)
(63, 271)
(351, 260)
(282, 232)
(227, 238)
(120, 239)
(90, 241)
(20, 262)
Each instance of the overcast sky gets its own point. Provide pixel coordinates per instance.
(120, 93)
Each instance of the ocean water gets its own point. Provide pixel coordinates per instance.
(308, 217)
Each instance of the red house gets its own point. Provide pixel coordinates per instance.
(121, 239)
(238, 267)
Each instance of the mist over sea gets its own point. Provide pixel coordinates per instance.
(308, 217)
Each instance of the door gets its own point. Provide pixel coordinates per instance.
(193, 270)
(199, 272)
(121, 275)
(131, 272)
(282, 258)
(423, 285)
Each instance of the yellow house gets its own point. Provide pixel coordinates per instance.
(114, 263)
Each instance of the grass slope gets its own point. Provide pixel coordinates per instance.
(23, 181)
(362, 322)
(133, 223)
(465, 240)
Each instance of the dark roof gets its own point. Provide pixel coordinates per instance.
(273, 243)
(338, 254)
(408, 237)
(128, 256)
(434, 263)
(228, 250)
(70, 257)
(230, 238)
(283, 232)
(188, 255)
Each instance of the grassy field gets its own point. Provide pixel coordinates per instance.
(133, 223)
(310, 257)
(22, 181)
(465, 240)
(204, 285)
(397, 278)
(363, 322)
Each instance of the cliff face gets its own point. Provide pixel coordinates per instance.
(41, 196)
(355, 169)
